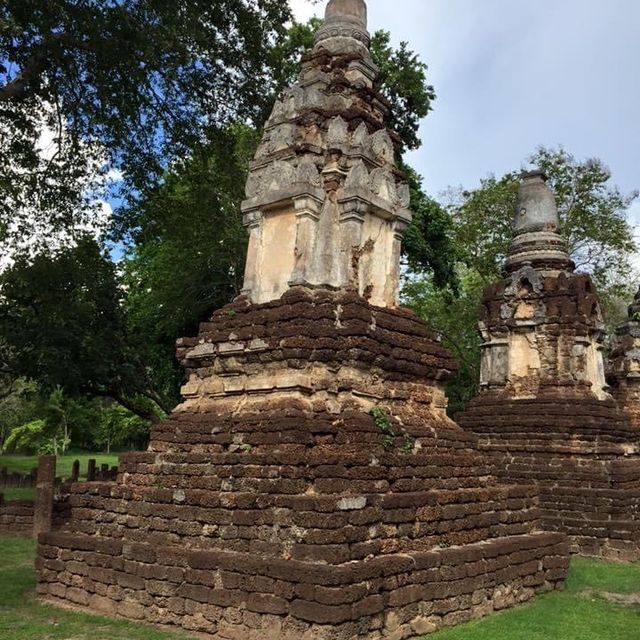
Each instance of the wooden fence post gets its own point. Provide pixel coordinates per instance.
(43, 511)
(75, 471)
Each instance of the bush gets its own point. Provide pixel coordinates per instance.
(29, 439)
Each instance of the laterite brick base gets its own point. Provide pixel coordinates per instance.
(583, 457)
(310, 486)
(16, 517)
(238, 595)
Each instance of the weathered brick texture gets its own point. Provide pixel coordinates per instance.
(279, 510)
(582, 455)
(16, 517)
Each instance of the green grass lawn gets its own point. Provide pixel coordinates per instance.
(23, 618)
(18, 494)
(24, 464)
(579, 613)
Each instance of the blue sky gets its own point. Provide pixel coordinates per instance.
(512, 75)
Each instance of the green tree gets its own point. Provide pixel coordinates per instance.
(119, 428)
(133, 83)
(403, 82)
(453, 313)
(61, 323)
(18, 404)
(428, 246)
(57, 421)
(188, 251)
(593, 217)
(27, 439)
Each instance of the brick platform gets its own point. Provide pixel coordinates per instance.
(240, 595)
(310, 486)
(583, 457)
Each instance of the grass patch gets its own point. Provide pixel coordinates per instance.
(565, 615)
(556, 616)
(603, 576)
(18, 494)
(24, 464)
(22, 617)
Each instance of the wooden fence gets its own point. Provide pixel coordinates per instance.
(94, 473)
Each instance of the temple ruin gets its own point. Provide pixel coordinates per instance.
(545, 414)
(311, 486)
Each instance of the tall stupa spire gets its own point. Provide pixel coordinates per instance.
(326, 204)
(345, 26)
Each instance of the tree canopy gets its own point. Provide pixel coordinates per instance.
(62, 325)
(120, 84)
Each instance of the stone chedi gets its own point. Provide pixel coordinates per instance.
(542, 326)
(323, 187)
(545, 414)
(624, 370)
(311, 485)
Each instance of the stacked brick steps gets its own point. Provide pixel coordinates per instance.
(216, 592)
(314, 493)
(16, 517)
(333, 515)
(584, 459)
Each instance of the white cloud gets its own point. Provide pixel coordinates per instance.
(303, 10)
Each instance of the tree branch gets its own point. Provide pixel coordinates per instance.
(17, 88)
(142, 412)
(49, 49)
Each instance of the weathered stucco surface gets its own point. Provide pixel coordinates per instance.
(326, 205)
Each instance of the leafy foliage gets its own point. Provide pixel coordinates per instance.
(453, 314)
(145, 77)
(188, 250)
(18, 404)
(50, 182)
(27, 439)
(119, 428)
(403, 81)
(427, 245)
(61, 324)
(88, 86)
